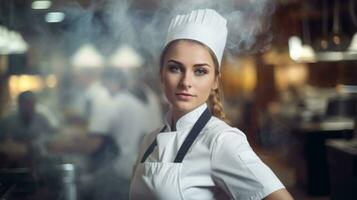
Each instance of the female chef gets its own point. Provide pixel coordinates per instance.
(197, 155)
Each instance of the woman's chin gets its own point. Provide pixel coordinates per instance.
(184, 107)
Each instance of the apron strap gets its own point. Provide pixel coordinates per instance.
(201, 122)
(151, 148)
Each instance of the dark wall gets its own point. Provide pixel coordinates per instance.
(329, 74)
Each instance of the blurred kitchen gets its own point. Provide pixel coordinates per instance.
(79, 88)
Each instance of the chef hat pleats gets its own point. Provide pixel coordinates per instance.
(205, 26)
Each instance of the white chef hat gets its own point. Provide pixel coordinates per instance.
(205, 26)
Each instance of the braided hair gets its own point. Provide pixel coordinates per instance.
(214, 100)
(215, 105)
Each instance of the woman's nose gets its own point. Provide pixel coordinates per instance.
(186, 80)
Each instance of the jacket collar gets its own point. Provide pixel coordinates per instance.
(186, 121)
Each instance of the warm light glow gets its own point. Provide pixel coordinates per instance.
(51, 81)
(40, 5)
(125, 57)
(3, 64)
(20, 83)
(324, 44)
(87, 57)
(276, 57)
(297, 74)
(285, 76)
(336, 39)
(239, 76)
(54, 17)
(249, 78)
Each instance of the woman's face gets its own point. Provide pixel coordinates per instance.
(188, 75)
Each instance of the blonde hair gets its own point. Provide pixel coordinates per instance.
(214, 99)
(215, 104)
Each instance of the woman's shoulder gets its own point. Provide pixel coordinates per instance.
(219, 131)
(217, 126)
(216, 123)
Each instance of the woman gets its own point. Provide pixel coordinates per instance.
(197, 155)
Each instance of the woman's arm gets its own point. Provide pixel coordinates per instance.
(281, 194)
(240, 172)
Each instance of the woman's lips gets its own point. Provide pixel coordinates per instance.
(184, 96)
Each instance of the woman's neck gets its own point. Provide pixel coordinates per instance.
(177, 114)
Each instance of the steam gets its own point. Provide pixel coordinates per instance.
(248, 21)
(111, 24)
(125, 23)
(249, 26)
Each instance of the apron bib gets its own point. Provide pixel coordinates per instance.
(158, 180)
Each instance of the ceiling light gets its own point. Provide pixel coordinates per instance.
(54, 17)
(41, 5)
(126, 57)
(300, 52)
(86, 57)
(17, 44)
(11, 42)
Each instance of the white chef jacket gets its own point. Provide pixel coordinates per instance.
(219, 165)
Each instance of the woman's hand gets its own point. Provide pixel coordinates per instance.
(281, 194)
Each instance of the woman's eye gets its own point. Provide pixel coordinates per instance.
(200, 72)
(174, 69)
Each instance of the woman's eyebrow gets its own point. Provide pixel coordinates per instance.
(195, 65)
(174, 61)
(202, 64)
